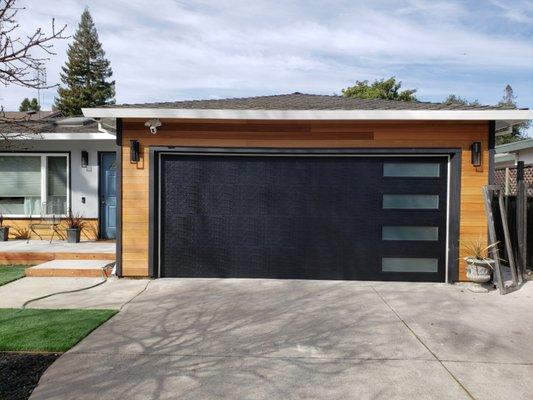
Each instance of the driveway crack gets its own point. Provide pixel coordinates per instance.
(423, 344)
(137, 295)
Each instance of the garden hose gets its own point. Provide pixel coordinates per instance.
(104, 276)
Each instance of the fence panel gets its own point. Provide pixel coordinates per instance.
(511, 216)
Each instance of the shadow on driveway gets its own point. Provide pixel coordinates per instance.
(271, 339)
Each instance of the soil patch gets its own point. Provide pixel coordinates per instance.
(20, 373)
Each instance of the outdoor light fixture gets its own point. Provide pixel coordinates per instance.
(84, 159)
(476, 153)
(134, 151)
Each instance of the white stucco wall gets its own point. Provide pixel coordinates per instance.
(526, 156)
(83, 181)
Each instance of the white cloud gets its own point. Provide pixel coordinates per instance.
(166, 50)
(520, 11)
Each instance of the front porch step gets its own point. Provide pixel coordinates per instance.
(32, 258)
(72, 268)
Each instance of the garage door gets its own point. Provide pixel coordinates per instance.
(302, 216)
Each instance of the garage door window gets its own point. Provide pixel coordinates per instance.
(409, 264)
(423, 233)
(411, 201)
(411, 170)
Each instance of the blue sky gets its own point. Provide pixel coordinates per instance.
(169, 50)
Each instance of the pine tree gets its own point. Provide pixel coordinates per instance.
(86, 72)
(34, 105)
(29, 105)
(519, 132)
(508, 99)
(25, 105)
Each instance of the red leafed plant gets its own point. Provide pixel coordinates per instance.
(75, 221)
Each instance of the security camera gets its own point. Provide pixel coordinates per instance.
(153, 124)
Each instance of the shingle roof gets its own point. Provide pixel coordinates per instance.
(301, 101)
(33, 116)
(19, 123)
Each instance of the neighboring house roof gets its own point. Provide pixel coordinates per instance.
(51, 123)
(508, 154)
(515, 146)
(24, 115)
(301, 101)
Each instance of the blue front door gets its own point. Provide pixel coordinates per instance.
(108, 195)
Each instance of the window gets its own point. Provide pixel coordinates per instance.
(409, 264)
(424, 233)
(56, 181)
(411, 201)
(29, 181)
(411, 170)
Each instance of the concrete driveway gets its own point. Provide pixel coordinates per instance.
(271, 339)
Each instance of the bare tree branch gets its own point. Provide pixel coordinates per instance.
(14, 128)
(18, 64)
(17, 60)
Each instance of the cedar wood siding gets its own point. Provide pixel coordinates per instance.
(89, 232)
(294, 134)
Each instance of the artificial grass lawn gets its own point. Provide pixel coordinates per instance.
(47, 330)
(9, 273)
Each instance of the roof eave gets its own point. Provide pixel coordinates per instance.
(511, 116)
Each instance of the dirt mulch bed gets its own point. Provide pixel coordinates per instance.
(20, 373)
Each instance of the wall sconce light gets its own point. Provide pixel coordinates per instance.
(84, 159)
(477, 154)
(134, 151)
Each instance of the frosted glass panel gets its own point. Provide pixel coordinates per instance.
(411, 201)
(423, 233)
(409, 265)
(422, 170)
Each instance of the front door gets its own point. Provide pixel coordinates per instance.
(108, 195)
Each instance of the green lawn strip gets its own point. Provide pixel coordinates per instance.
(10, 273)
(47, 330)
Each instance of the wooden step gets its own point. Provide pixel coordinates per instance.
(72, 268)
(32, 258)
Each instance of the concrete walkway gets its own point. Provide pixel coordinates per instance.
(266, 339)
(113, 294)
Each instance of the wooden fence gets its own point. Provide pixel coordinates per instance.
(510, 205)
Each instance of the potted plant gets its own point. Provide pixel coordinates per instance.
(479, 265)
(75, 225)
(4, 230)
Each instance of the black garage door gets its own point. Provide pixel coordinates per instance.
(302, 216)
